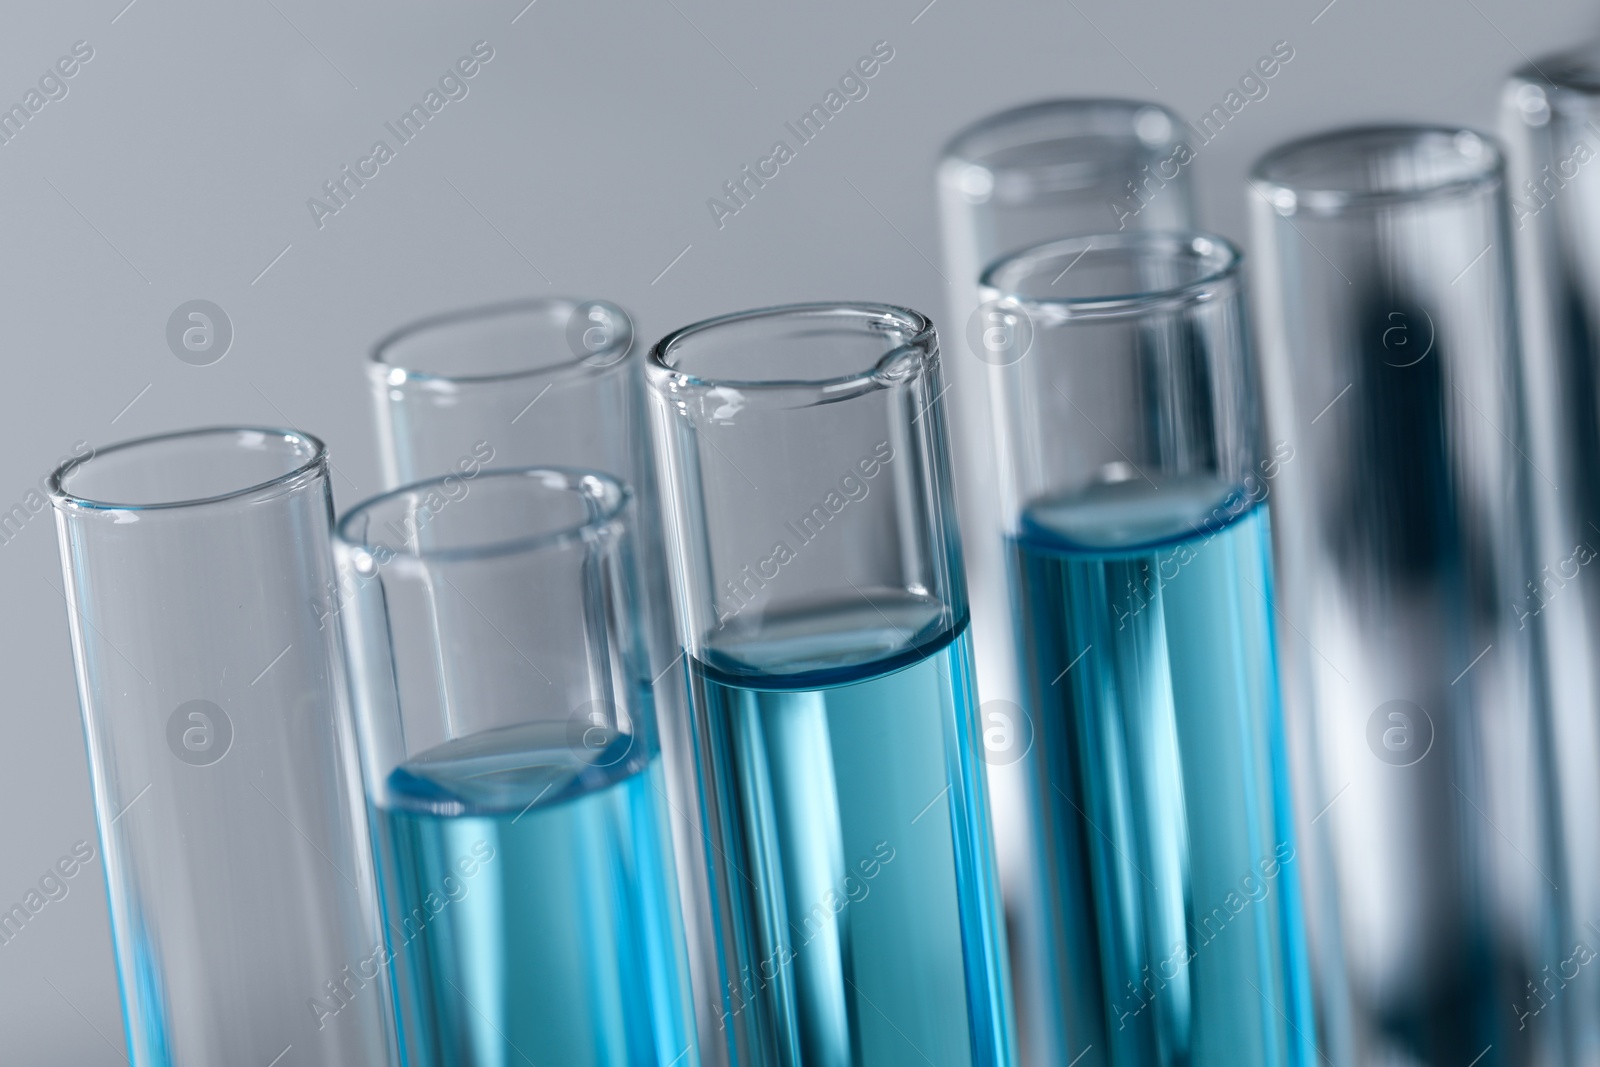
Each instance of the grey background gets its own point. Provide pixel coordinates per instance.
(179, 164)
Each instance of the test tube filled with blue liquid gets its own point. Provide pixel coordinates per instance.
(513, 773)
(811, 528)
(556, 381)
(1137, 488)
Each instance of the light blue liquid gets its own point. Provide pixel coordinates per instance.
(529, 906)
(845, 758)
(1166, 841)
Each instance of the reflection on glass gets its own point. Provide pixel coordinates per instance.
(1421, 743)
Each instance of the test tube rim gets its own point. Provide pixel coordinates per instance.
(1288, 198)
(1225, 274)
(381, 369)
(1570, 97)
(1077, 116)
(888, 371)
(603, 525)
(308, 470)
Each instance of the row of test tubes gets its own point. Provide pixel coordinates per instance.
(695, 704)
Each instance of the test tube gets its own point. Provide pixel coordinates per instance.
(557, 381)
(1136, 482)
(1420, 740)
(821, 602)
(1057, 168)
(543, 381)
(512, 771)
(1551, 119)
(212, 686)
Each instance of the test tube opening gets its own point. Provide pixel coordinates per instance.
(191, 468)
(496, 513)
(785, 352)
(1056, 149)
(509, 340)
(1375, 166)
(1116, 273)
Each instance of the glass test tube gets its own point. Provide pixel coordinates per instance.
(1551, 118)
(1058, 168)
(212, 688)
(1419, 739)
(822, 605)
(1131, 465)
(556, 381)
(1061, 168)
(513, 774)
